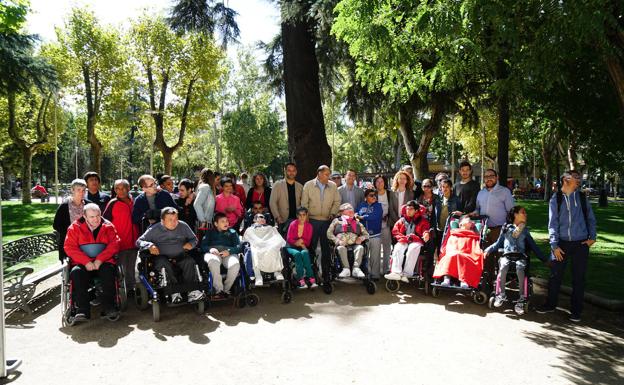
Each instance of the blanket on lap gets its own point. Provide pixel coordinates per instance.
(265, 243)
(461, 257)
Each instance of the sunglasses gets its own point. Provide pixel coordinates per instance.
(426, 186)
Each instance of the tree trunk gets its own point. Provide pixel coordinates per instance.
(96, 146)
(572, 158)
(614, 63)
(307, 141)
(407, 132)
(167, 154)
(420, 163)
(26, 175)
(503, 139)
(548, 147)
(397, 152)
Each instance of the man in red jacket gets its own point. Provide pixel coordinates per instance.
(119, 213)
(88, 230)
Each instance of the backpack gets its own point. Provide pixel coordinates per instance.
(583, 207)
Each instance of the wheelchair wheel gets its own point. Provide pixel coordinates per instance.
(252, 299)
(122, 295)
(479, 298)
(286, 297)
(392, 285)
(491, 302)
(156, 311)
(526, 306)
(427, 285)
(328, 288)
(435, 292)
(240, 301)
(200, 307)
(371, 287)
(140, 297)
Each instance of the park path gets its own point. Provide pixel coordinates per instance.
(348, 337)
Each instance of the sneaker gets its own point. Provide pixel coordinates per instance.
(519, 308)
(81, 317)
(220, 296)
(176, 298)
(393, 276)
(404, 279)
(358, 273)
(279, 276)
(574, 318)
(312, 283)
(195, 296)
(446, 282)
(95, 302)
(544, 309)
(258, 282)
(302, 283)
(110, 314)
(499, 300)
(464, 285)
(344, 273)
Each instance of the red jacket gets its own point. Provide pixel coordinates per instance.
(239, 191)
(79, 234)
(120, 215)
(421, 226)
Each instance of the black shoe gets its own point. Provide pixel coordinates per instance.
(81, 317)
(544, 309)
(575, 318)
(110, 314)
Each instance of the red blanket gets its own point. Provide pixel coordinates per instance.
(461, 257)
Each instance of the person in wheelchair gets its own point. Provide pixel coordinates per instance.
(411, 232)
(221, 246)
(344, 232)
(172, 239)
(514, 238)
(250, 215)
(263, 254)
(91, 244)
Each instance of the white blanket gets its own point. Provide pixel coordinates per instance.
(265, 244)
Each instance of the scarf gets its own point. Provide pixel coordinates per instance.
(346, 221)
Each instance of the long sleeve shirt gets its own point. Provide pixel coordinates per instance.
(169, 242)
(495, 203)
(222, 202)
(567, 222)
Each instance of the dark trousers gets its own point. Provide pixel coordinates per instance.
(489, 264)
(81, 280)
(186, 263)
(578, 254)
(320, 234)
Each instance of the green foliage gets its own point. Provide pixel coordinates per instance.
(13, 15)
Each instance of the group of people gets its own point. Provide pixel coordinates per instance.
(397, 222)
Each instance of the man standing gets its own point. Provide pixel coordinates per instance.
(320, 196)
(336, 178)
(286, 198)
(349, 192)
(467, 189)
(147, 206)
(94, 194)
(572, 231)
(495, 201)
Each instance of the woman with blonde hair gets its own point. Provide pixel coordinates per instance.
(402, 192)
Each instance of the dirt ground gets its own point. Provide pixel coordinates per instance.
(348, 337)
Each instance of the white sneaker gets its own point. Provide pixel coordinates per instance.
(404, 279)
(393, 276)
(344, 273)
(499, 300)
(195, 295)
(259, 281)
(358, 273)
(279, 276)
(176, 298)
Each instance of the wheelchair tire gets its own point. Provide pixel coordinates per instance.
(123, 295)
(526, 307)
(156, 311)
(286, 297)
(140, 297)
(200, 307)
(328, 288)
(371, 287)
(240, 301)
(427, 285)
(479, 298)
(392, 285)
(435, 292)
(252, 299)
(491, 302)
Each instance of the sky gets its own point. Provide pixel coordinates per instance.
(257, 19)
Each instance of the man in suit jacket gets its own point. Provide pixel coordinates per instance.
(286, 198)
(349, 192)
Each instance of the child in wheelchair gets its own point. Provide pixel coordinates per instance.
(347, 232)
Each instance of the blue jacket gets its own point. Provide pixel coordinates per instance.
(371, 217)
(163, 199)
(453, 205)
(509, 244)
(567, 222)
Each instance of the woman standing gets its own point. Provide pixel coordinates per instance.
(383, 197)
(68, 212)
(259, 191)
(205, 199)
(402, 192)
(429, 200)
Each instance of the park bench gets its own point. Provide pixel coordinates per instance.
(20, 284)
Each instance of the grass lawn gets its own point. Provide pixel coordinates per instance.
(20, 220)
(606, 261)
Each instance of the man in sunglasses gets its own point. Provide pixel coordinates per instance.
(572, 231)
(147, 205)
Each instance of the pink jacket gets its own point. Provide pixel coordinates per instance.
(222, 202)
(291, 236)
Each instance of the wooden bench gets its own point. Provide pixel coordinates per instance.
(20, 285)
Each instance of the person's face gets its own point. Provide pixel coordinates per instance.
(183, 191)
(222, 224)
(93, 218)
(291, 172)
(302, 216)
(446, 190)
(260, 221)
(217, 180)
(348, 212)
(371, 198)
(323, 176)
(427, 187)
(521, 216)
(168, 185)
(379, 184)
(337, 179)
(464, 172)
(350, 177)
(93, 184)
(227, 188)
(259, 180)
(170, 221)
(410, 171)
(490, 179)
(467, 224)
(439, 180)
(410, 211)
(149, 188)
(257, 209)
(402, 180)
(78, 192)
(573, 181)
(121, 190)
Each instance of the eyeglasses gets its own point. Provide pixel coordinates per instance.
(426, 186)
(150, 185)
(371, 196)
(491, 176)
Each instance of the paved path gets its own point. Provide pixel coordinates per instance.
(348, 337)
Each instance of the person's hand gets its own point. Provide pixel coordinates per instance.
(457, 213)
(214, 251)
(97, 263)
(426, 237)
(154, 250)
(589, 242)
(342, 242)
(225, 253)
(559, 254)
(187, 246)
(358, 241)
(90, 266)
